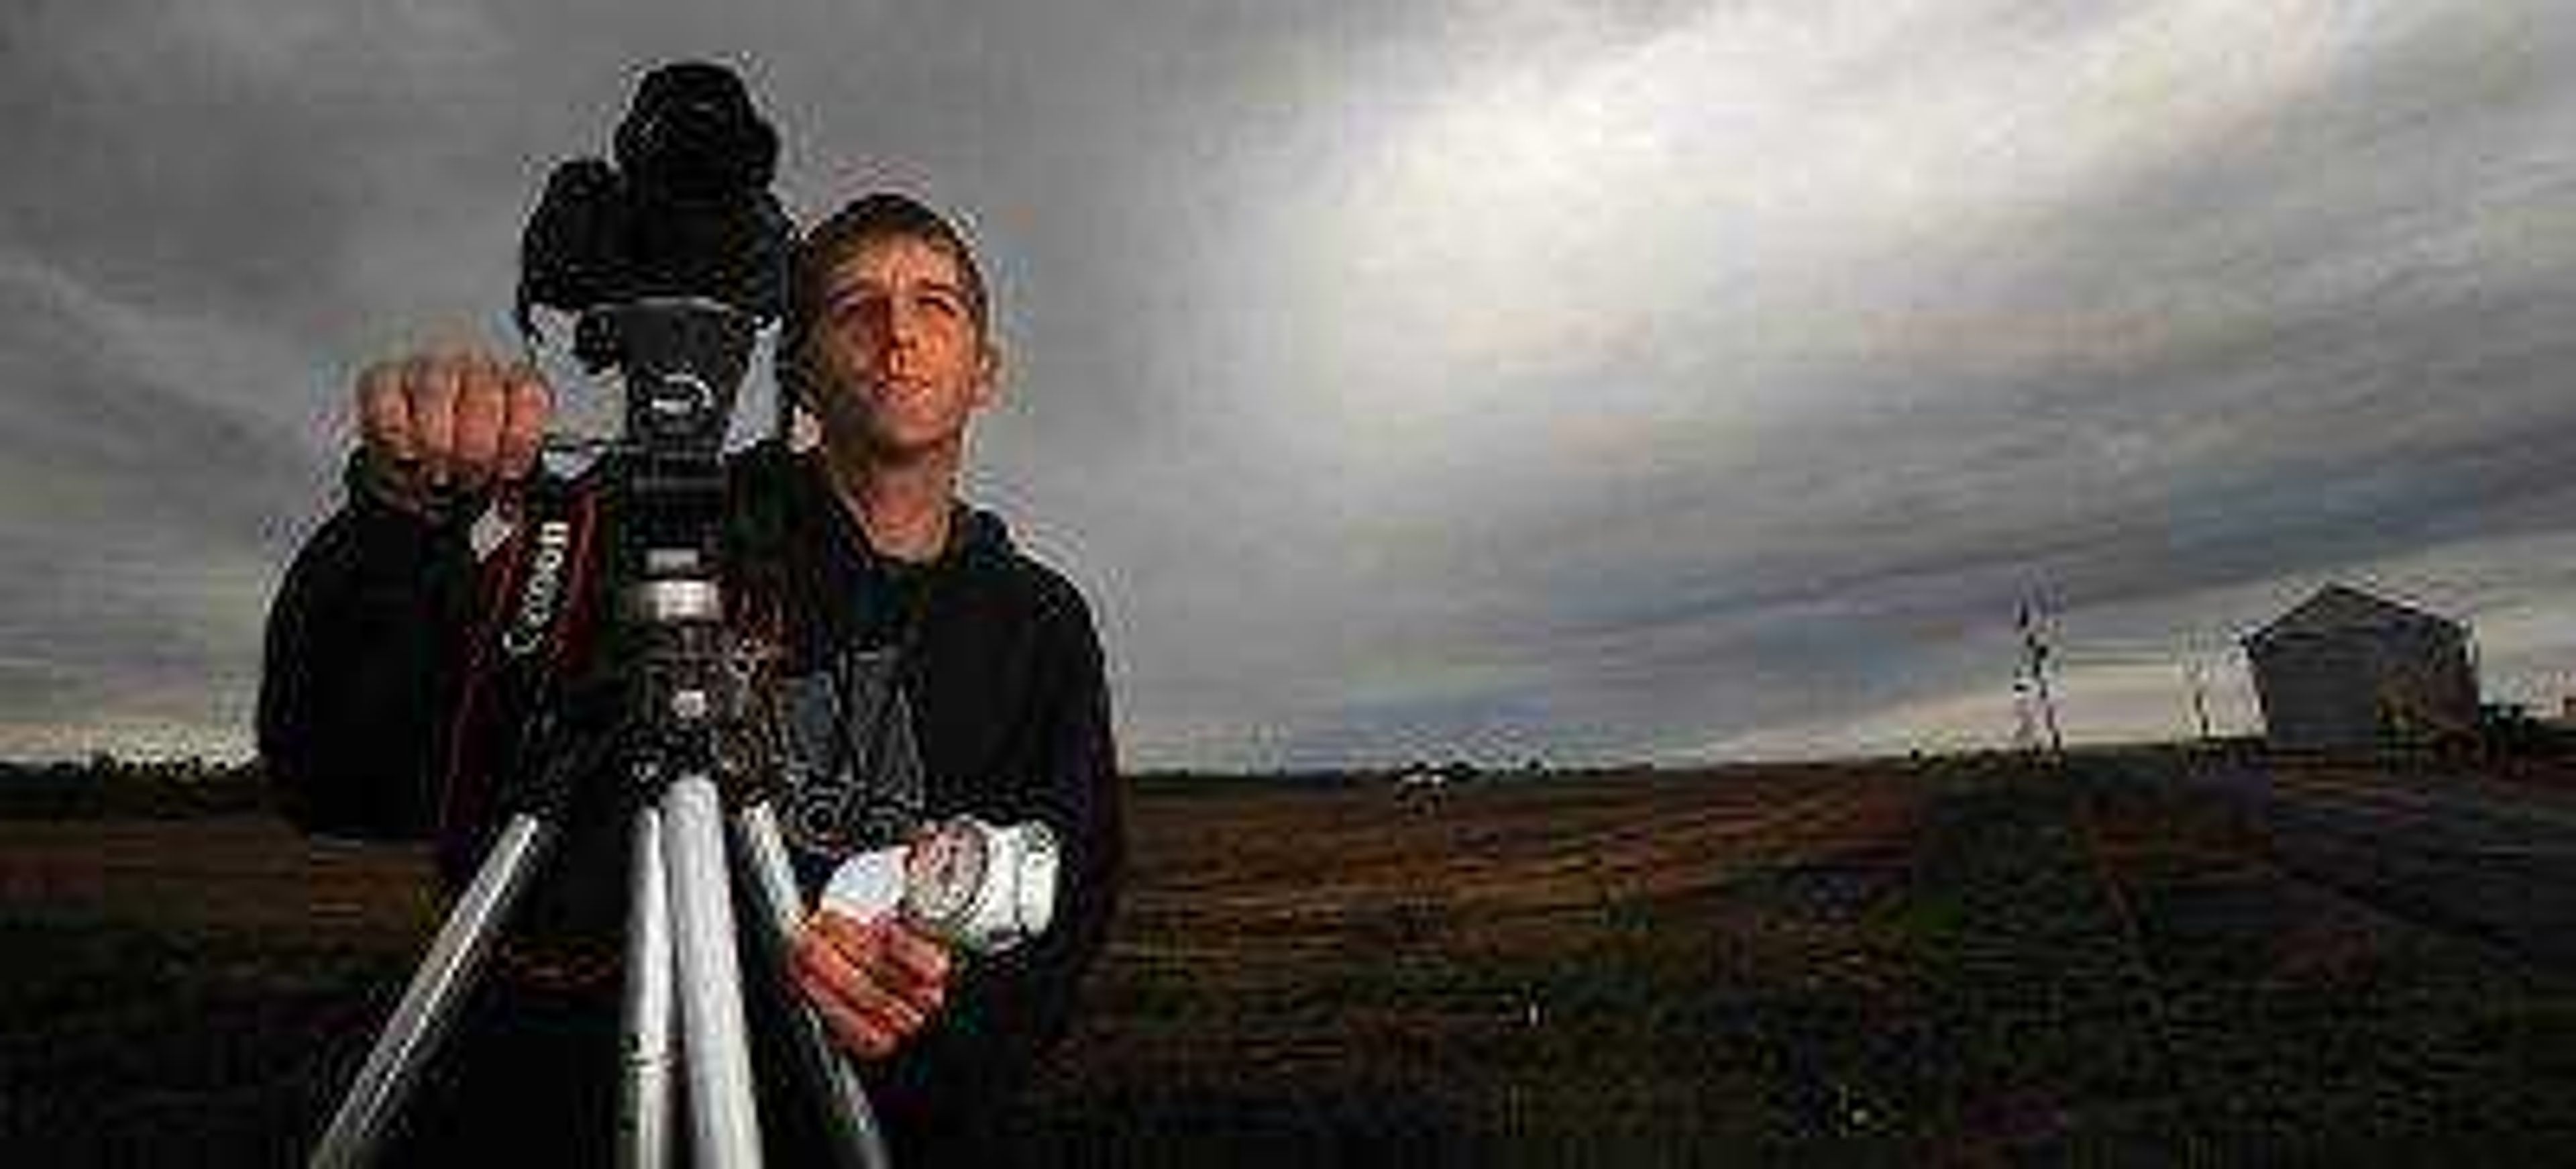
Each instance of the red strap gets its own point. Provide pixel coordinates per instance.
(467, 793)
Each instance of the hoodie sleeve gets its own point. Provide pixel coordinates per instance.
(360, 659)
(1007, 1010)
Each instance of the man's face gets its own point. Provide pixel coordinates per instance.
(903, 362)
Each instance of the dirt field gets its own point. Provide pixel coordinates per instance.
(1952, 963)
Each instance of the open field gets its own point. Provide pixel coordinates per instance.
(2133, 961)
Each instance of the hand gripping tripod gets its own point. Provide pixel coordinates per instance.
(682, 360)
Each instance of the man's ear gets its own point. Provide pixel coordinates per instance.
(988, 374)
(795, 378)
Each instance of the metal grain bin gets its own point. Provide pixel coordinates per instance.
(2346, 669)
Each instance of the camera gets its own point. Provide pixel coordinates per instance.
(684, 213)
(671, 259)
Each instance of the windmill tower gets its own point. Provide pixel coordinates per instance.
(2033, 623)
(2196, 675)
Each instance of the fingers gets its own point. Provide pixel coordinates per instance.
(452, 421)
(855, 1032)
(870, 1019)
(875, 984)
(863, 1020)
(898, 959)
(384, 415)
(917, 961)
(523, 422)
(482, 401)
(432, 383)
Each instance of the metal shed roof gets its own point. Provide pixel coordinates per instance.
(2343, 609)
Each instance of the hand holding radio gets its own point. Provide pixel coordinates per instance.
(877, 957)
(875, 983)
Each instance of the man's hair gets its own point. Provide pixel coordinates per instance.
(867, 219)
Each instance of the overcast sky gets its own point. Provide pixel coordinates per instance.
(1577, 380)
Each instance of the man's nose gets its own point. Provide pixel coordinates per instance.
(902, 324)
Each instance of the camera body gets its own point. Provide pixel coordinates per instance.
(684, 213)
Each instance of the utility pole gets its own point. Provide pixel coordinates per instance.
(2199, 696)
(2025, 728)
(2035, 650)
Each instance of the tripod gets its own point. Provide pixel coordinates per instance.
(683, 986)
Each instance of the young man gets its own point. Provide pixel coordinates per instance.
(925, 667)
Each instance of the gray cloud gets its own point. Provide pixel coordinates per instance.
(141, 526)
(1523, 379)
(2183, 368)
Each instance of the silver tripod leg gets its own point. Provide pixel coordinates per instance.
(851, 1125)
(429, 1004)
(724, 1121)
(644, 1101)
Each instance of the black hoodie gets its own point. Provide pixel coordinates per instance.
(367, 728)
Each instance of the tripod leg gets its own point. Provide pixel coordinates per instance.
(429, 1004)
(724, 1120)
(848, 1121)
(644, 1102)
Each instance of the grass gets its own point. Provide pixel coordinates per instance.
(1947, 963)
